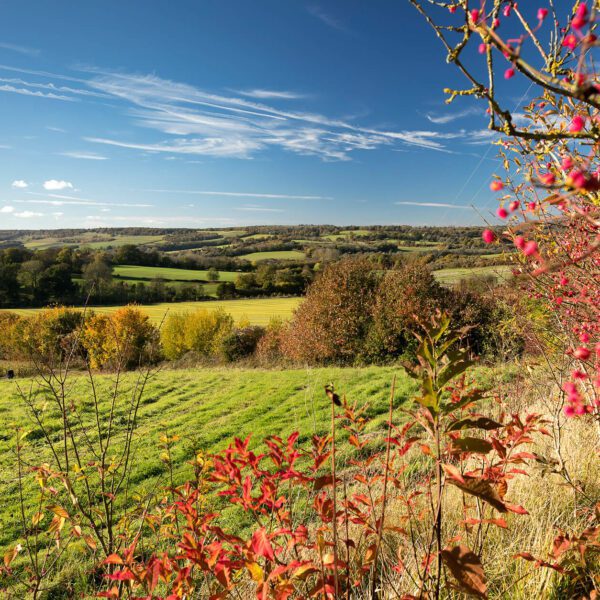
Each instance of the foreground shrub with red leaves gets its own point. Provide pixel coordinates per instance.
(321, 524)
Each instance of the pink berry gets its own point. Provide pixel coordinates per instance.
(520, 242)
(569, 411)
(496, 185)
(581, 353)
(566, 163)
(570, 42)
(542, 13)
(501, 212)
(475, 15)
(482, 48)
(488, 236)
(577, 124)
(548, 179)
(530, 248)
(452, 9)
(514, 205)
(509, 73)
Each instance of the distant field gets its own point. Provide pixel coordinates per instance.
(451, 276)
(258, 311)
(259, 236)
(281, 255)
(136, 272)
(92, 241)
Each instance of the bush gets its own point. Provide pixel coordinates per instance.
(332, 322)
(8, 346)
(241, 342)
(403, 293)
(123, 340)
(201, 332)
(48, 336)
(268, 349)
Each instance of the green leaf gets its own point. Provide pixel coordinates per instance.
(474, 423)
(472, 444)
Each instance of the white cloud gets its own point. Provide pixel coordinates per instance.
(20, 184)
(202, 123)
(319, 13)
(61, 200)
(256, 208)
(240, 194)
(54, 184)
(58, 214)
(449, 117)
(51, 87)
(270, 94)
(7, 209)
(434, 205)
(20, 49)
(84, 155)
(28, 214)
(27, 92)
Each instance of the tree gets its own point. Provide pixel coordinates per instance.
(126, 339)
(98, 273)
(332, 322)
(213, 275)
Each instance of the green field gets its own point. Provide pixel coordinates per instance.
(276, 255)
(207, 408)
(92, 240)
(258, 311)
(170, 274)
(452, 276)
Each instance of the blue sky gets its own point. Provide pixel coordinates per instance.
(210, 113)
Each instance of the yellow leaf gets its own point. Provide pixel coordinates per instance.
(256, 571)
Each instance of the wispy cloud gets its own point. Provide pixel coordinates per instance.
(62, 200)
(270, 94)
(19, 184)
(194, 122)
(240, 194)
(434, 205)
(26, 92)
(28, 214)
(55, 184)
(7, 209)
(20, 49)
(257, 208)
(317, 12)
(53, 88)
(84, 155)
(450, 117)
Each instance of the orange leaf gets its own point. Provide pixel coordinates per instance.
(466, 568)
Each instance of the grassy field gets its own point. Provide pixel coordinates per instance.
(452, 276)
(207, 408)
(149, 273)
(93, 240)
(278, 255)
(258, 311)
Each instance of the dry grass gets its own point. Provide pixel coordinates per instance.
(552, 503)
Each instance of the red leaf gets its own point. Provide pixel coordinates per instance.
(261, 545)
(466, 568)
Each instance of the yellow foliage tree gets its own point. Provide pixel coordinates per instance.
(123, 340)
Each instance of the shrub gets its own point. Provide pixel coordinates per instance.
(332, 322)
(405, 292)
(241, 342)
(48, 336)
(201, 332)
(123, 340)
(8, 346)
(268, 349)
